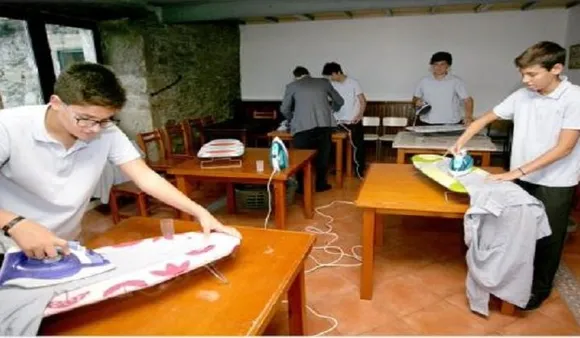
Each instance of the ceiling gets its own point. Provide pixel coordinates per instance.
(265, 11)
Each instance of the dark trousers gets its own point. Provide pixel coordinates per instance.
(357, 137)
(558, 205)
(320, 140)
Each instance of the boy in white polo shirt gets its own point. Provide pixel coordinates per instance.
(52, 156)
(444, 92)
(351, 113)
(545, 159)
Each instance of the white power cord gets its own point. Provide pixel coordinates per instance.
(328, 247)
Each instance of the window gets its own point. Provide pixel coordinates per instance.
(69, 45)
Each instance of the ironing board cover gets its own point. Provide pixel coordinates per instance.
(444, 128)
(194, 253)
(221, 148)
(435, 167)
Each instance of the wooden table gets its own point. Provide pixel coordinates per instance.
(338, 138)
(268, 265)
(299, 160)
(414, 143)
(400, 189)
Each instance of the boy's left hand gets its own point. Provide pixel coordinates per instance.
(509, 176)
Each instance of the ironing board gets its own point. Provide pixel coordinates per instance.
(182, 253)
(435, 167)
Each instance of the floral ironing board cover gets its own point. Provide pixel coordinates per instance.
(435, 167)
(179, 254)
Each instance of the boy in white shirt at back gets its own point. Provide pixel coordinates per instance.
(351, 113)
(545, 159)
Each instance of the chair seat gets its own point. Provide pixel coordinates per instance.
(387, 137)
(128, 188)
(371, 137)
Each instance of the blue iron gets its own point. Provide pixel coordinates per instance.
(461, 163)
(279, 158)
(25, 272)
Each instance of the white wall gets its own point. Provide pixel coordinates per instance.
(572, 38)
(389, 55)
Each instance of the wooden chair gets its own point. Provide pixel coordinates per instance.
(391, 126)
(207, 120)
(263, 136)
(373, 123)
(177, 141)
(130, 189)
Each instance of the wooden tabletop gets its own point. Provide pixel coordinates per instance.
(259, 275)
(297, 159)
(403, 189)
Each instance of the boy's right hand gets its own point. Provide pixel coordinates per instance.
(418, 103)
(37, 241)
(455, 148)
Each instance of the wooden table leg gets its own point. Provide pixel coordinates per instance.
(400, 156)
(338, 163)
(349, 155)
(280, 203)
(231, 198)
(368, 234)
(185, 188)
(485, 159)
(507, 308)
(297, 304)
(308, 193)
(379, 229)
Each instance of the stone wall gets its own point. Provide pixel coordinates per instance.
(183, 70)
(19, 83)
(123, 52)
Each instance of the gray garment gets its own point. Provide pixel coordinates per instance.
(306, 104)
(501, 228)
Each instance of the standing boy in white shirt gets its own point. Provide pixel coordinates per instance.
(351, 113)
(444, 92)
(545, 159)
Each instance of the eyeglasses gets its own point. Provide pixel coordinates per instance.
(84, 122)
(89, 123)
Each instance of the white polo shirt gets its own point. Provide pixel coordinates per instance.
(44, 182)
(349, 89)
(538, 120)
(445, 98)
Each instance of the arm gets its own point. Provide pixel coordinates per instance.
(473, 129)
(360, 96)
(337, 100)
(34, 239)
(461, 92)
(468, 102)
(287, 106)
(417, 101)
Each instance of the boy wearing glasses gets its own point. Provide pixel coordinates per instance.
(545, 159)
(52, 156)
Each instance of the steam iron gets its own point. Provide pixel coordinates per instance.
(278, 155)
(421, 110)
(21, 271)
(461, 164)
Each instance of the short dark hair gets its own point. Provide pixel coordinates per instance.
(331, 68)
(441, 56)
(300, 71)
(86, 83)
(545, 53)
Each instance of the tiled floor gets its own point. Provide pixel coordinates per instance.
(419, 278)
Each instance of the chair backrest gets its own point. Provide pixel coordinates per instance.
(371, 121)
(265, 115)
(207, 120)
(145, 140)
(177, 139)
(195, 132)
(395, 121)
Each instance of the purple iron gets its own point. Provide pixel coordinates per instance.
(22, 271)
